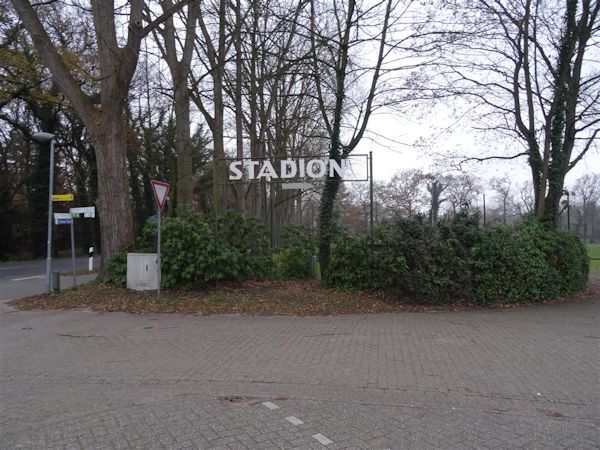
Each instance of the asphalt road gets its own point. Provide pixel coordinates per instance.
(22, 279)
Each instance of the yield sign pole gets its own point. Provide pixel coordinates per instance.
(160, 190)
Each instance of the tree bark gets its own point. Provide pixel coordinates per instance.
(180, 72)
(116, 220)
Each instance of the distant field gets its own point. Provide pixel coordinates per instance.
(594, 252)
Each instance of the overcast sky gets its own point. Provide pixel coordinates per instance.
(395, 142)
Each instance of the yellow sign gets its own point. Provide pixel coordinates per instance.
(62, 197)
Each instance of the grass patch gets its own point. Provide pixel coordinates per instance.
(594, 254)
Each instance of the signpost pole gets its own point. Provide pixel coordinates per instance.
(161, 190)
(73, 250)
(49, 242)
(371, 192)
(159, 211)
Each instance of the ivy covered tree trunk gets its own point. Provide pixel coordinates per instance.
(327, 228)
(435, 189)
(346, 36)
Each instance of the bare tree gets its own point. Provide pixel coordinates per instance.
(503, 189)
(462, 191)
(212, 47)
(405, 193)
(171, 46)
(530, 66)
(336, 35)
(587, 193)
(523, 201)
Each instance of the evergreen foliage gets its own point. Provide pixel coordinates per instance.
(451, 261)
(294, 258)
(455, 260)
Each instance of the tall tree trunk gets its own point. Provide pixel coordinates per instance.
(114, 209)
(180, 72)
(239, 113)
(183, 144)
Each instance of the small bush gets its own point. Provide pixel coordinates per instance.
(565, 255)
(116, 269)
(191, 255)
(531, 263)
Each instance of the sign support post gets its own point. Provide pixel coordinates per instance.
(160, 190)
(73, 251)
(158, 269)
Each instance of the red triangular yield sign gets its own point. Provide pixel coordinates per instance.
(161, 190)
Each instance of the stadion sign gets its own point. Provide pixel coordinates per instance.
(285, 169)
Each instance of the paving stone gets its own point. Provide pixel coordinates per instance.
(444, 380)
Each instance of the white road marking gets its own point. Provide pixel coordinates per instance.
(28, 278)
(270, 405)
(294, 420)
(322, 439)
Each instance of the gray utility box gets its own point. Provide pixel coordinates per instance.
(141, 271)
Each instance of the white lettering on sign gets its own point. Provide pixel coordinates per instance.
(89, 212)
(62, 218)
(287, 168)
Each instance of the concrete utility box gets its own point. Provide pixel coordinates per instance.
(141, 271)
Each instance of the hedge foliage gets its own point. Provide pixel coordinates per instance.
(197, 251)
(457, 260)
(294, 257)
(454, 260)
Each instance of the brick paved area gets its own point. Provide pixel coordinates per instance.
(523, 378)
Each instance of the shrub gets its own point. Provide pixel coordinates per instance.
(456, 260)
(508, 267)
(190, 255)
(530, 263)
(116, 269)
(250, 239)
(437, 258)
(565, 255)
(294, 258)
(365, 262)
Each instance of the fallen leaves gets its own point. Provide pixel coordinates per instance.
(302, 298)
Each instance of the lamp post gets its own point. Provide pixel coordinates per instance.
(42, 136)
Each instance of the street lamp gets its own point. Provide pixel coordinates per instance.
(42, 136)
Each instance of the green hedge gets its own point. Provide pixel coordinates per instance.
(457, 260)
(452, 261)
(197, 251)
(293, 259)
